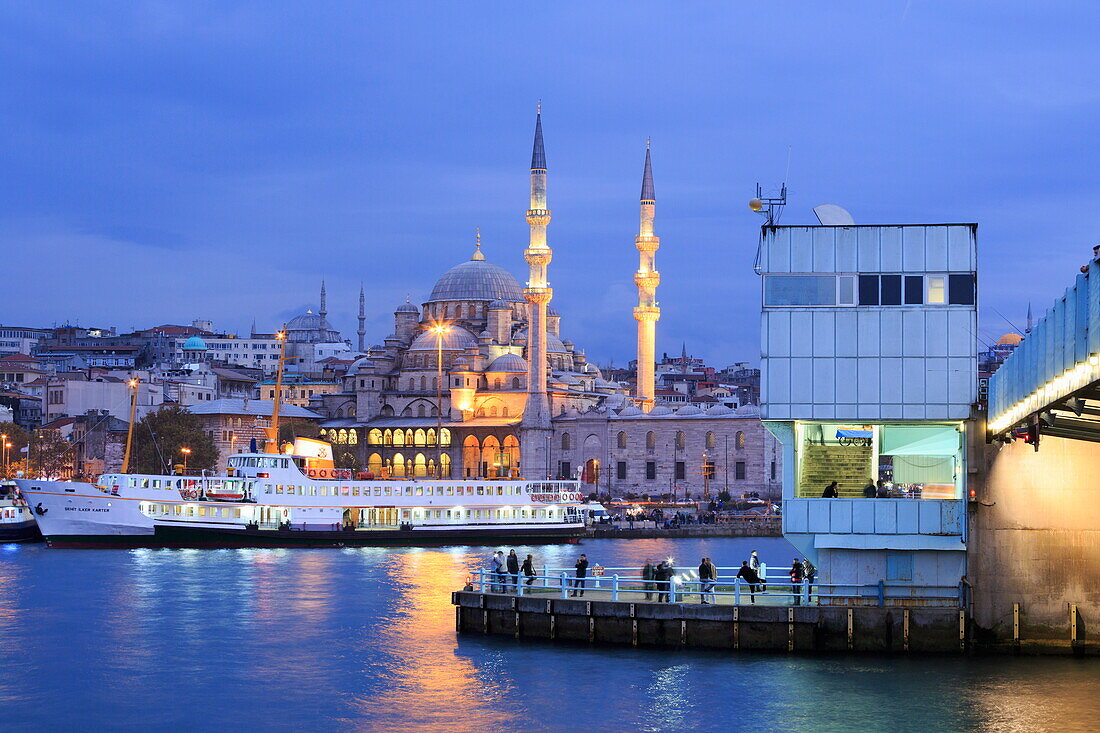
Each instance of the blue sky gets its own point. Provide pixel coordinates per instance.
(169, 161)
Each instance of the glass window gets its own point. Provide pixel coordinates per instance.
(680, 470)
(868, 289)
(739, 470)
(650, 470)
(960, 289)
(936, 289)
(891, 290)
(800, 290)
(846, 290)
(914, 290)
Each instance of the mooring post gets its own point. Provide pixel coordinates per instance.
(564, 588)
(905, 630)
(1073, 624)
(481, 580)
(881, 593)
(736, 592)
(615, 587)
(1016, 626)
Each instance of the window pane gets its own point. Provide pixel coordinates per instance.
(914, 290)
(847, 293)
(868, 289)
(936, 290)
(891, 290)
(799, 290)
(960, 289)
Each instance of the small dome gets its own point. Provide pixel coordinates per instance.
(747, 411)
(457, 339)
(1011, 339)
(407, 307)
(659, 411)
(566, 378)
(553, 343)
(485, 335)
(460, 364)
(688, 410)
(630, 411)
(719, 410)
(508, 363)
(500, 305)
(195, 343)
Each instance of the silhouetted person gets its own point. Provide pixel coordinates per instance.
(648, 575)
(528, 569)
(749, 575)
(513, 568)
(830, 491)
(582, 573)
(870, 491)
(798, 574)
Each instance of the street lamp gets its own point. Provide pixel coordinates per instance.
(440, 329)
(4, 439)
(186, 452)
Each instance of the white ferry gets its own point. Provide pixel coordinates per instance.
(295, 500)
(16, 520)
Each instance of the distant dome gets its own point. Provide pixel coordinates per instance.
(310, 328)
(508, 363)
(1012, 339)
(195, 343)
(407, 307)
(687, 410)
(660, 410)
(630, 411)
(747, 411)
(477, 279)
(719, 410)
(457, 339)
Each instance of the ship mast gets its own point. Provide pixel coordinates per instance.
(273, 431)
(133, 385)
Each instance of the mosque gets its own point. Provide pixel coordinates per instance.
(479, 382)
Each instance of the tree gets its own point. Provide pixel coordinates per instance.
(345, 458)
(50, 455)
(14, 455)
(723, 496)
(159, 436)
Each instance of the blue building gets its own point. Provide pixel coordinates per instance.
(868, 379)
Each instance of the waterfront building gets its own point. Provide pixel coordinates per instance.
(235, 423)
(20, 339)
(869, 372)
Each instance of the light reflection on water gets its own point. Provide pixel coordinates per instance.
(363, 639)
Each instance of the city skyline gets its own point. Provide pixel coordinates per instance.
(249, 156)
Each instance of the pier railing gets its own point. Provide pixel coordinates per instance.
(775, 588)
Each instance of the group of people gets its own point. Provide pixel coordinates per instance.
(505, 570)
(872, 490)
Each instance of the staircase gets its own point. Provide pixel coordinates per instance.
(849, 465)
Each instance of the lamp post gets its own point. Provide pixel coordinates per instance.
(439, 329)
(6, 444)
(133, 385)
(186, 452)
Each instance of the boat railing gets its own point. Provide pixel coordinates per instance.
(775, 588)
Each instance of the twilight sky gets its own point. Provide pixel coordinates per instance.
(169, 161)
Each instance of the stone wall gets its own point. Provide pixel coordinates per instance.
(1035, 539)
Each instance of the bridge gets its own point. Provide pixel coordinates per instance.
(1050, 385)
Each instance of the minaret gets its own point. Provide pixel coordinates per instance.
(535, 428)
(362, 320)
(324, 308)
(646, 278)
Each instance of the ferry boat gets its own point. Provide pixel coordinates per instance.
(300, 500)
(16, 520)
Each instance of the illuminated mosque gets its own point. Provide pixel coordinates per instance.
(517, 398)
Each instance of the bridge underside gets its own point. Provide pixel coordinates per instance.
(1076, 417)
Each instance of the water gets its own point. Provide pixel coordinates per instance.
(363, 639)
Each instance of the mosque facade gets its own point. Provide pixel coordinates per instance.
(478, 381)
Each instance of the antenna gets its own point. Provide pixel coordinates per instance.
(769, 207)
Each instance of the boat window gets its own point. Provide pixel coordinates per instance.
(237, 512)
(355, 491)
(279, 489)
(344, 491)
(450, 491)
(202, 511)
(419, 491)
(190, 511)
(408, 491)
(480, 490)
(387, 491)
(500, 491)
(178, 509)
(377, 491)
(313, 490)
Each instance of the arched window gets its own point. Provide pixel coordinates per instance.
(374, 464)
(387, 437)
(444, 437)
(504, 412)
(420, 410)
(420, 466)
(710, 440)
(387, 410)
(480, 412)
(491, 456)
(739, 441)
(515, 382)
(407, 412)
(471, 457)
(374, 437)
(398, 465)
(445, 466)
(419, 437)
(681, 439)
(342, 436)
(399, 437)
(459, 311)
(496, 383)
(511, 456)
(565, 442)
(430, 436)
(353, 437)
(650, 441)
(493, 411)
(622, 439)
(423, 383)
(322, 433)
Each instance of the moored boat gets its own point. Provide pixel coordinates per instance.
(16, 520)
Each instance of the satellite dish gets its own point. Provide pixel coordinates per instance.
(833, 215)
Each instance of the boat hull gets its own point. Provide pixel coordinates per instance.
(20, 532)
(200, 537)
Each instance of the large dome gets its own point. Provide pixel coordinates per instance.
(457, 339)
(477, 280)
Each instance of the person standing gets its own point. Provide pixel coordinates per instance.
(648, 574)
(708, 574)
(831, 491)
(496, 569)
(529, 569)
(582, 573)
(811, 572)
(870, 491)
(513, 569)
(749, 575)
(798, 574)
(758, 569)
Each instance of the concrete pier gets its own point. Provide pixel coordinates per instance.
(802, 629)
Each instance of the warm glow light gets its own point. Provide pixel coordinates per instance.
(186, 451)
(133, 383)
(280, 335)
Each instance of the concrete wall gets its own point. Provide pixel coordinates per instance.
(1035, 538)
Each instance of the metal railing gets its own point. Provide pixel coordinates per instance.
(775, 588)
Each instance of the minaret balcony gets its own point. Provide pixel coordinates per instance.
(538, 295)
(538, 217)
(647, 244)
(647, 280)
(649, 313)
(538, 256)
